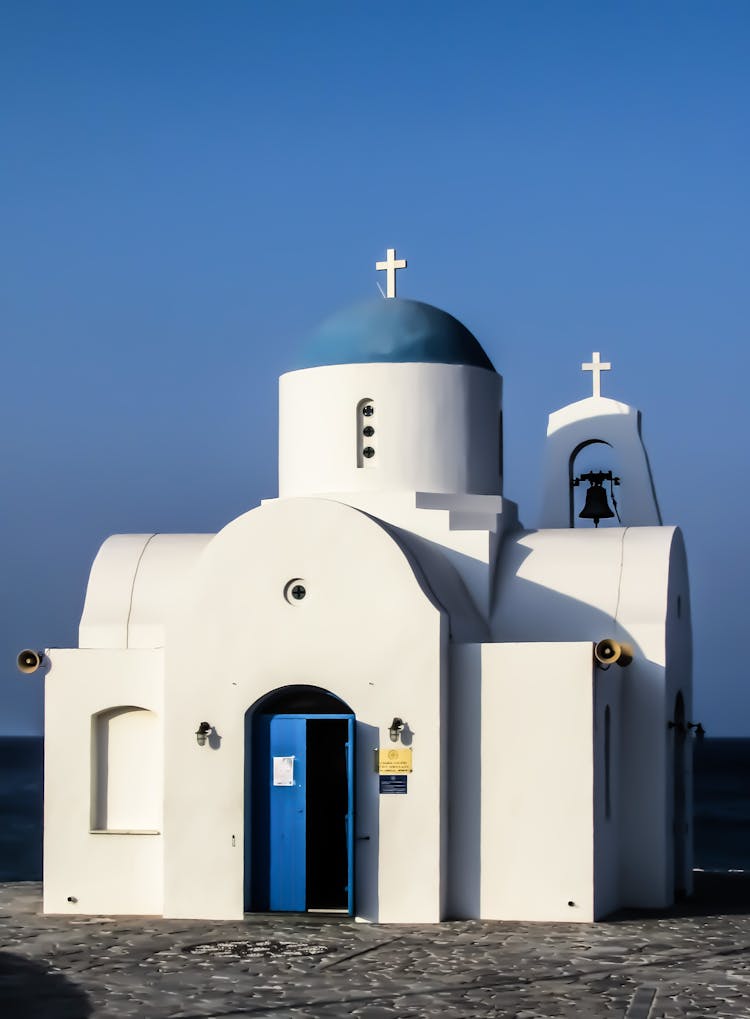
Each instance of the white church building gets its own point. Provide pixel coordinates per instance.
(379, 693)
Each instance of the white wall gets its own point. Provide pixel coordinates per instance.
(653, 566)
(464, 530)
(607, 828)
(436, 429)
(104, 872)
(368, 632)
(535, 779)
(587, 585)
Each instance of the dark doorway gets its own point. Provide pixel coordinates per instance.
(327, 795)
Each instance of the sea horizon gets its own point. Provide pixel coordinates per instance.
(721, 805)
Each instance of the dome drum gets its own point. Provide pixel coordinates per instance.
(431, 428)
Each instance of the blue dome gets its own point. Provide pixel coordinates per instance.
(393, 331)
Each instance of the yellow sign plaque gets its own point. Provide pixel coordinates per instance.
(394, 761)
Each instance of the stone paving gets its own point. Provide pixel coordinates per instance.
(688, 964)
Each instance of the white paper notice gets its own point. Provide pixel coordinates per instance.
(283, 771)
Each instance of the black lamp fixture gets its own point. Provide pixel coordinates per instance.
(395, 729)
(596, 507)
(694, 729)
(201, 733)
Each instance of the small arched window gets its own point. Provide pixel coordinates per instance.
(126, 778)
(500, 446)
(366, 425)
(607, 762)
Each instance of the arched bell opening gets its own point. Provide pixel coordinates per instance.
(594, 477)
(299, 802)
(679, 788)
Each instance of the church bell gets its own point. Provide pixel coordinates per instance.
(596, 506)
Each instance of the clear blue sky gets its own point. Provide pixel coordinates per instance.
(187, 188)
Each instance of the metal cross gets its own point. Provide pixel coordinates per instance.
(596, 367)
(390, 265)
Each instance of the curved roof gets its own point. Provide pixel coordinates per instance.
(392, 330)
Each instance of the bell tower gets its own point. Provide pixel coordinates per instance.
(615, 428)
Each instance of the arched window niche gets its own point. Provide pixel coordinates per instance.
(594, 455)
(366, 431)
(126, 780)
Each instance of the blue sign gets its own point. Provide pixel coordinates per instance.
(393, 784)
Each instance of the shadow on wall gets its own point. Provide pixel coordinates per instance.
(465, 794)
(527, 611)
(33, 990)
(713, 895)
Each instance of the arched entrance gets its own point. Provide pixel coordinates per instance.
(679, 825)
(299, 802)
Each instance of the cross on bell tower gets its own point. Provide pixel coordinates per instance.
(596, 367)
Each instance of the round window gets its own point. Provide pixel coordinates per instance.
(295, 590)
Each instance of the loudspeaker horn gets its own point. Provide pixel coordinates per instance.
(29, 661)
(609, 652)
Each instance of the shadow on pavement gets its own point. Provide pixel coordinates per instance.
(33, 990)
(714, 894)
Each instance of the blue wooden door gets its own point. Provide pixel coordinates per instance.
(287, 820)
(282, 855)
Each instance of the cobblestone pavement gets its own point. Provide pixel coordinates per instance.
(317, 967)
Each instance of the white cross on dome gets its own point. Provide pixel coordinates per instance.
(390, 265)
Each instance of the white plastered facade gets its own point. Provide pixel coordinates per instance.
(543, 786)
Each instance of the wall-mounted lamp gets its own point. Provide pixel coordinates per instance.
(596, 507)
(395, 729)
(201, 733)
(692, 728)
